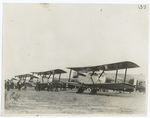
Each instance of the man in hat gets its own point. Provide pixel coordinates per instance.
(56, 86)
(8, 83)
(48, 86)
(12, 85)
(51, 87)
(19, 85)
(37, 85)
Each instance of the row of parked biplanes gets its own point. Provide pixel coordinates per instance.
(94, 75)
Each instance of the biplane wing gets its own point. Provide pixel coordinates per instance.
(49, 73)
(106, 67)
(25, 76)
(114, 86)
(56, 71)
(111, 86)
(74, 84)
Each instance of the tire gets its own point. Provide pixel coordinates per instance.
(42, 87)
(93, 91)
(80, 90)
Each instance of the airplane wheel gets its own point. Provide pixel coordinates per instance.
(42, 88)
(93, 91)
(80, 90)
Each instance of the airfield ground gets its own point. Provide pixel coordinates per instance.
(69, 102)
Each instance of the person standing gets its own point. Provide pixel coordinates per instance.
(19, 88)
(48, 86)
(12, 85)
(51, 87)
(8, 85)
(18, 85)
(37, 85)
(56, 87)
(24, 84)
(65, 86)
(5, 84)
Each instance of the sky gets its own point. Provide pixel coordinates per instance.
(40, 37)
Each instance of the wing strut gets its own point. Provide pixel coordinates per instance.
(25, 79)
(69, 75)
(125, 74)
(48, 77)
(116, 73)
(19, 78)
(59, 76)
(53, 76)
(101, 74)
(91, 77)
(42, 79)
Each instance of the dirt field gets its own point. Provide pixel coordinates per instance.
(69, 102)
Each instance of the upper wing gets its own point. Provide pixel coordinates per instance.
(32, 76)
(114, 86)
(56, 71)
(106, 67)
(26, 75)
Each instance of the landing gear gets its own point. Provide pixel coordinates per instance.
(42, 87)
(80, 90)
(94, 91)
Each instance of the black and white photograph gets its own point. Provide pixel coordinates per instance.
(65, 59)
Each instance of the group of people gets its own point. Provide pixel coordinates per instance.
(9, 85)
(21, 86)
(51, 86)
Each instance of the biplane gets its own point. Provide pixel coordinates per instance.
(47, 74)
(94, 86)
(24, 77)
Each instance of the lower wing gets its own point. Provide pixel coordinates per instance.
(75, 84)
(114, 86)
